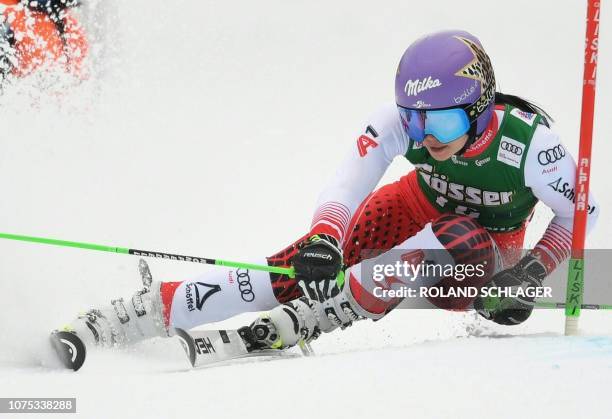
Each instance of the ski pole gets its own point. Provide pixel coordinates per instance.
(150, 253)
(582, 306)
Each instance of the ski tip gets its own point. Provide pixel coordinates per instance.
(69, 348)
(188, 345)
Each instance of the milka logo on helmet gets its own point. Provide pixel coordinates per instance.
(414, 87)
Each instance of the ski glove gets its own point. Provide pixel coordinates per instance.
(317, 264)
(528, 273)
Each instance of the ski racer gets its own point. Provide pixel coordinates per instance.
(482, 159)
(41, 33)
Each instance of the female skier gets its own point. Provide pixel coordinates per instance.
(482, 161)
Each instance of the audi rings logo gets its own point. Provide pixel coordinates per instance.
(244, 285)
(551, 155)
(514, 149)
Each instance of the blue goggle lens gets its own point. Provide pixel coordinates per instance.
(446, 124)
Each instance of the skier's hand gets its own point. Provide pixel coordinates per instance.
(317, 265)
(529, 272)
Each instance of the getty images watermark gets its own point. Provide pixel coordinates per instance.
(405, 279)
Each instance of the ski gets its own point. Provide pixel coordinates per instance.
(207, 347)
(70, 349)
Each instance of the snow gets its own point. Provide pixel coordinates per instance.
(198, 135)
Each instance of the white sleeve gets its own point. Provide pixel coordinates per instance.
(550, 172)
(371, 153)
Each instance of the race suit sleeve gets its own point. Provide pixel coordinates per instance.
(550, 172)
(375, 147)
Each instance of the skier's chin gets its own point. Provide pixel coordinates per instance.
(443, 151)
(440, 153)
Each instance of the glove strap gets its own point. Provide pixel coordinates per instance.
(533, 267)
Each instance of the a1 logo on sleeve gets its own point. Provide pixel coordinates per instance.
(364, 142)
(510, 152)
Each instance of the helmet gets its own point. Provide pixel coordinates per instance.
(447, 70)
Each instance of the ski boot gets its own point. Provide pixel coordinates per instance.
(119, 324)
(298, 322)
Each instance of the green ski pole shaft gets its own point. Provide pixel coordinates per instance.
(149, 253)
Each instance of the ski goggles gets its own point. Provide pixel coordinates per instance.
(445, 124)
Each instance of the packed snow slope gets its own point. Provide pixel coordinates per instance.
(208, 128)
